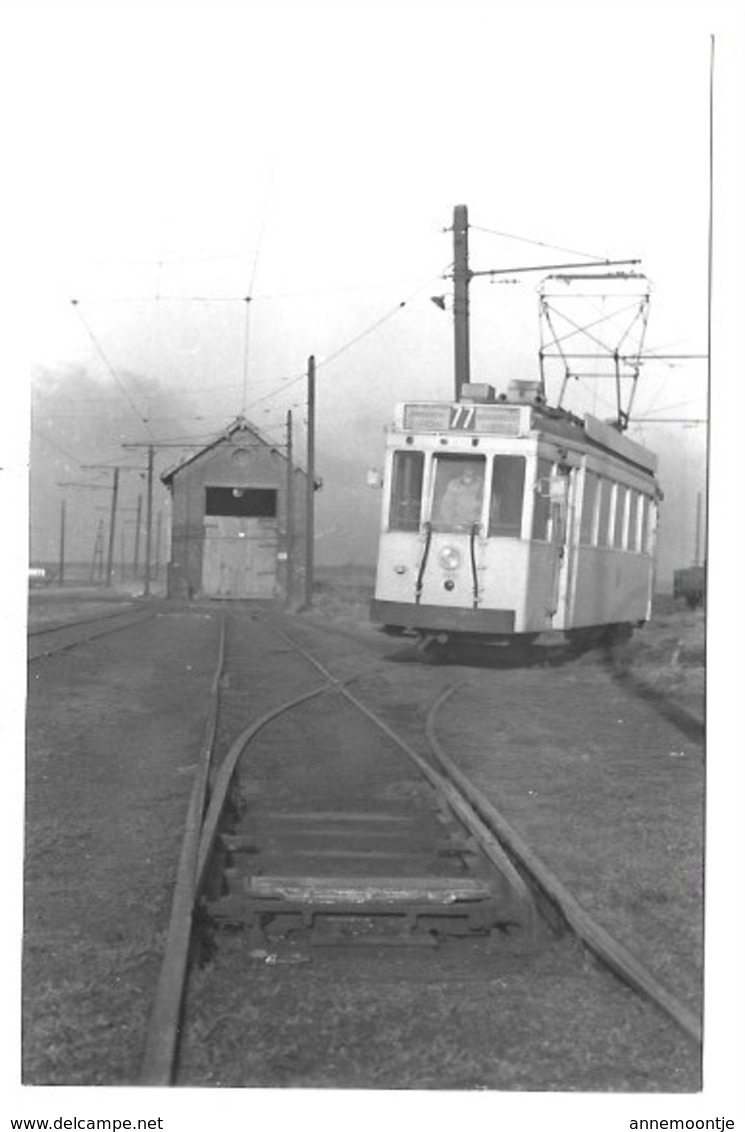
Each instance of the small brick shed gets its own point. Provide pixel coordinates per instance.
(229, 526)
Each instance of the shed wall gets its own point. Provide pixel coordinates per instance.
(241, 461)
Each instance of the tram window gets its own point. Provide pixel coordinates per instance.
(632, 540)
(541, 503)
(587, 518)
(647, 525)
(507, 489)
(619, 517)
(604, 513)
(406, 491)
(458, 491)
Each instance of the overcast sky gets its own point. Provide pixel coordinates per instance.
(310, 155)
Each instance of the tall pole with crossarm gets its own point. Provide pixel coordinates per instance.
(461, 280)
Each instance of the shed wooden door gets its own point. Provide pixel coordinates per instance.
(240, 557)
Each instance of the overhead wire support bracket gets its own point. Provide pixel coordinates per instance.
(550, 267)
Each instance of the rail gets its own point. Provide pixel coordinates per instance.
(202, 824)
(127, 618)
(162, 1034)
(612, 953)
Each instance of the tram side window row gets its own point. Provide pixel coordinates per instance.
(615, 516)
(612, 516)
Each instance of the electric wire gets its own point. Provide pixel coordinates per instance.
(346, 346)
(537, 243)
(36, 431)
(246, 340)
(111, 369)
(310, 292)
(249, 299)
(293, 380)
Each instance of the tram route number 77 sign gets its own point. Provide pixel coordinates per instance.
(438, 417)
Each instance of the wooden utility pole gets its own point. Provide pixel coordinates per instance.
(311, 484)
(62, 545)
(157, 544)
(97, 560)
(290, 513)
(112, 525)
(149, 516)
(94, 487)
(114, 498)
(461, 280)
(462, 276)
(138, 524)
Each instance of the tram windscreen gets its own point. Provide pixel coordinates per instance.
(507, 490)
(406, 491)
(458, 492)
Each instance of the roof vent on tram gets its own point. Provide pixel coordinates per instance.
(524, 393)
(477, 393)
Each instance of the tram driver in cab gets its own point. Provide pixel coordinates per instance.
(460, 505)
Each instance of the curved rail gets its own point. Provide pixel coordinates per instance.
(612, 953)
(453, 793)
(161, 1047)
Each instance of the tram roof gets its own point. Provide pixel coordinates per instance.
(515, 419)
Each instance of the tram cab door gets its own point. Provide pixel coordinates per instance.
(558, 488)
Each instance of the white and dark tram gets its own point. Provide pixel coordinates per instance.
(504, 518)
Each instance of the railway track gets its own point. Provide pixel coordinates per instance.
(315, 825)
(46, 640)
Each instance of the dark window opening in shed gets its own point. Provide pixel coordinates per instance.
(242, 502)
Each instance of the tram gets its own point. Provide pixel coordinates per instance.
(504, 518)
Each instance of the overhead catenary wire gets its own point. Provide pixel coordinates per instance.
(248, 300)
(343, 348)
(35, 430)
(246, 340)
(309, 292)
(111, 369)
(536, 243)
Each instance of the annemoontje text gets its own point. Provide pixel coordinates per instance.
(716, 1122)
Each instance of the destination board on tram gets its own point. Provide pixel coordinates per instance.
(500, 420)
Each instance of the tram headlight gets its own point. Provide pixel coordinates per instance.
(450, 558)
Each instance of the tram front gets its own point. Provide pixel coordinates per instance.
(452, 558)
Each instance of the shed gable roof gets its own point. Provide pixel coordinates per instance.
(240, 424)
